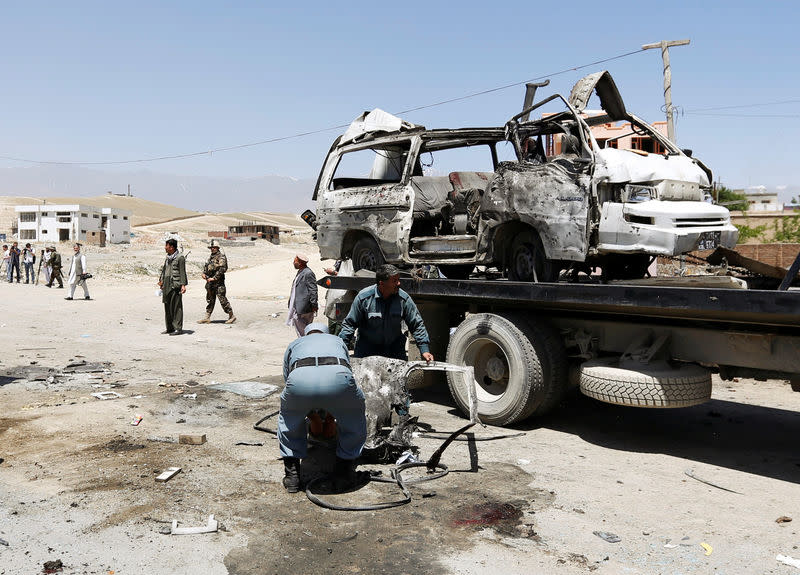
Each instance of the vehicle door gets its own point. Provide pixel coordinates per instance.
(363, 188)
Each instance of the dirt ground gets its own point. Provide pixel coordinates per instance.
(77, 479)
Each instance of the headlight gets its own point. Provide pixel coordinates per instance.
(638, 194)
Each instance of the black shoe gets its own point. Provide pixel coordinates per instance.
(291, 478)
(87, 297)
(67, 298)
(176, 332)
(166, 332)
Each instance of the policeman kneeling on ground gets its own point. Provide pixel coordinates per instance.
(316, 369)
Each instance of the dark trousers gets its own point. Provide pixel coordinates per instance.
(216, 290)
(55, 275)
(173, 310)
(14, 266)
(29, 271)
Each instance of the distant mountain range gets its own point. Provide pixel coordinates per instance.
(199, 193)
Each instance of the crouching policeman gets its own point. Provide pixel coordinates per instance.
(316, 369)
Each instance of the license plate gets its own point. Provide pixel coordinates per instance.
(708, 241)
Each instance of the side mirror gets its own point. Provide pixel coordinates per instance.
(687, 151)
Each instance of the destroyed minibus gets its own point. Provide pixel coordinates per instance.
(563, 201)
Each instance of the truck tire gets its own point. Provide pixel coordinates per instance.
(367, 255)
(526, 256)
(686, 385)
(519, 368)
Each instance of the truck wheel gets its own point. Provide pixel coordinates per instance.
(367, 255)
(645, 386)
(525, 256)
(457, 271)
(519, 368)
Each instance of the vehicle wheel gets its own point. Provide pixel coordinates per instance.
(519, 368)
(645, 386)
(526, 256)
(367, 255)
(625, 266)
(457, 271)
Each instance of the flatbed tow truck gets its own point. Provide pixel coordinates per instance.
(638, 345)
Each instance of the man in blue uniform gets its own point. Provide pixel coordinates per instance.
(316, 369)
(377, 312)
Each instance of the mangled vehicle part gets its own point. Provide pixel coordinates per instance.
(383, 382)
(567, 199)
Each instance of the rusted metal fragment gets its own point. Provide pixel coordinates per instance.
(734, 258)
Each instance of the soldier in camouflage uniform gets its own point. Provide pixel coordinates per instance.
(214, 274)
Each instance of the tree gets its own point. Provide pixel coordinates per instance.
(731, 200)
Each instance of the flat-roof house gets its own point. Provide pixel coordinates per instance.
(73, 222)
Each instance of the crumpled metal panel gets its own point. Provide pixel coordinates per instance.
(603, 84)
(551, 197)
(375, 121)
(623, 166)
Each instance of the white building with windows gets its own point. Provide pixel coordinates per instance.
(53, 223)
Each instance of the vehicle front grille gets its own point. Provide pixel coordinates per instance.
(699, 222)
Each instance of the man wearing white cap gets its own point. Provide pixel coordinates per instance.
(303, 299)
(316, 369)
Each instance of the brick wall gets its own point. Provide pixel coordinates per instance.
(781, 255)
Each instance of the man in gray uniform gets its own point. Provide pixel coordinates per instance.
(377, 312)
(317, 372)
(173, 285)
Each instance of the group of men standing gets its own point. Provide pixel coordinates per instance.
(173, 282)
(50, 264)
(12, 257)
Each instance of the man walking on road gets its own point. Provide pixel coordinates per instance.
(77, 273)
(214, 274)
(55, 268)
(173, 285)
(303, 299)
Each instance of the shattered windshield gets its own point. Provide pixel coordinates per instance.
(371, 166)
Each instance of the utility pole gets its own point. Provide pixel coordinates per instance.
(670, 111)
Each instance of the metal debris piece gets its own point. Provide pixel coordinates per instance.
(690, 473)
(211, 527)
(168, 474)
(254, 389)
(786, 560)
(106, 395)
(707, 547)
(783, 519)
(610, 537)
(3, 542)
(137, 419)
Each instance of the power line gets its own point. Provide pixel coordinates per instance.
(714, 108)
(321, 130)
(724, 115)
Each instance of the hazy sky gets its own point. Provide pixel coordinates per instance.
(109, 81)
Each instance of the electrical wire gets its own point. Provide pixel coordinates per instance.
(321, 130)
(724, 115)
(715, 108)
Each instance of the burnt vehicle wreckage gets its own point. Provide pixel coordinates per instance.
(562, 201)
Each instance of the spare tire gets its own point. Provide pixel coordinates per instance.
(519, 368)
(645, 386)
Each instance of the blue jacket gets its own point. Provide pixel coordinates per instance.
(378, 322)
